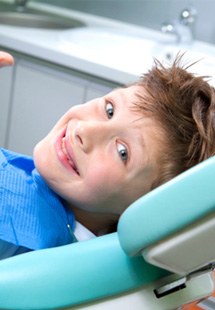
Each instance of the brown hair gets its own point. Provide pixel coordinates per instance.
(183, 104)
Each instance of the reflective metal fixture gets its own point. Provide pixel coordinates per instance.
(182, 27)
(21, 5)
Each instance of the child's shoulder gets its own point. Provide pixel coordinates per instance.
(17, 160)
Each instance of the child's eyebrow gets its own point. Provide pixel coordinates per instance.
(141, 140)
(120, 94)
(140, 136)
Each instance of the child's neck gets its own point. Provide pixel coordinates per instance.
(97, 223)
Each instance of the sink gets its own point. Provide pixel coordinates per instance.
(105, 40)
(33, 18)
(37, 20)
(109, 46)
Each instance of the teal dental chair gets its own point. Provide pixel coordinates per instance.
(161, 257)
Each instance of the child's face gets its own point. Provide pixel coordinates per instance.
(101, 155)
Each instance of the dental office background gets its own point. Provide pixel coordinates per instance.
(149, 13)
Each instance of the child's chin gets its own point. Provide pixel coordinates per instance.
(40, 158)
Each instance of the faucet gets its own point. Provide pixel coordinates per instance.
(183, 27)
(20, 5)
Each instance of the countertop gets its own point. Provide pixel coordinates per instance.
(106, 49)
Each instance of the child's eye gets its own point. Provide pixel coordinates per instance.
(109, 110)
(122, 152)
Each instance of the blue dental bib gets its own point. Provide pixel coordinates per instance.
(31, 214)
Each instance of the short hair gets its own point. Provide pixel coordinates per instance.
(183, 105)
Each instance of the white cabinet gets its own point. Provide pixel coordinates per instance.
(6, 82)
(40, 97)
(95, 91)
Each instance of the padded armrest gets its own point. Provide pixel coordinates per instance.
(71, 275)
(169, 208)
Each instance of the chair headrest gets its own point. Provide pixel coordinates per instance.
(169, 208)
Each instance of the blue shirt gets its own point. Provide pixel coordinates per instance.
(31, 214)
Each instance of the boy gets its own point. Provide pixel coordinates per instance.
(103, 155)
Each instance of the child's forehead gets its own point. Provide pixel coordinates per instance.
(126, 94)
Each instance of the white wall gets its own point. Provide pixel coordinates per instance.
(148, 13)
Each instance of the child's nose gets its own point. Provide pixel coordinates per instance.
(89, 134)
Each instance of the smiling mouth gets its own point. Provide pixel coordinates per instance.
(68, 156)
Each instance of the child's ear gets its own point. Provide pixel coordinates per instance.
(6, 59)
